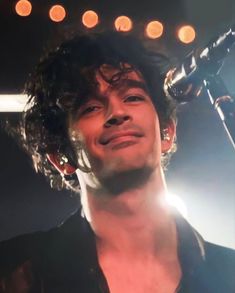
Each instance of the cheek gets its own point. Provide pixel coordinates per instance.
(152, 122)
(154, 133)
(88, 135)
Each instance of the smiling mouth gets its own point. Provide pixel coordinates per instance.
(118, 137)
(122, 141)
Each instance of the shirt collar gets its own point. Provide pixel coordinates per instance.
(191, 246)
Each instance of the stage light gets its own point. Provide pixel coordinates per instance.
(123, 23)
(90, 18)
(177, 202)
(154, 29)
(23, 8)
(57, 13)
(186, 34)
(13, 103)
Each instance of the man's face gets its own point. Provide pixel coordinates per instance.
(118, 126)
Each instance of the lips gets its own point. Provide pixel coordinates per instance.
(109, 137)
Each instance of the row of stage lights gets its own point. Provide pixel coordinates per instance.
(153, 30)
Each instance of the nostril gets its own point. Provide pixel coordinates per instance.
(112, 121)
(116, 121)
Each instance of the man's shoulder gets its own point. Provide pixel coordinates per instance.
(17, 250)
(220, 256)
(22, 248)
(220, 263)
(39, 245)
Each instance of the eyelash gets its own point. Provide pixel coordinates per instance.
(89, 109)
(136, 98)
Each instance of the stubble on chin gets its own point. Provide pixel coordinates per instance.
(120, 180)
(118, 174)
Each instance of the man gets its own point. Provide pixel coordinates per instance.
(99, 121)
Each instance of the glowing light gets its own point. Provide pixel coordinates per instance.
(154, 29)
(178, 203)
(23, 8)
(13, 103)
(123, 23)
(57, 13)
(186, 34)
(90, 18)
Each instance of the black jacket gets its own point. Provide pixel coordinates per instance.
(64, 260)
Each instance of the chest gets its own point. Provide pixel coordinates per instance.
(140, 277)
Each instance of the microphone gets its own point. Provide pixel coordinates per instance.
(185, 82)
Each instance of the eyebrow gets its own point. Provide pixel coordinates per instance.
(131, 83)
(124, 85)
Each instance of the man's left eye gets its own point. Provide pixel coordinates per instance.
(134, 98)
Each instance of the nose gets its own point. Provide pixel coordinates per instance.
(117, 114)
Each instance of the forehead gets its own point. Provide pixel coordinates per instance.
(109, 78)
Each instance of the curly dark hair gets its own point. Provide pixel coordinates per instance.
(66, 76)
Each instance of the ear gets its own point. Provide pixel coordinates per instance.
(61, 163)
(169, 133)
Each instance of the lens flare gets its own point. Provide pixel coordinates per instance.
(13, 103)
(23, 8)
(177, 202)
(154, 29)
(186, 34)
(90, 18)
(123, 23)
(57, 13)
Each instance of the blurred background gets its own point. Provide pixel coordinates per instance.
(201, 173)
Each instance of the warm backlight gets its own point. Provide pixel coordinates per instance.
(57, 13)
(186, 34)
(23, 8)
(154, 29)
(90, 18)
(123, 23)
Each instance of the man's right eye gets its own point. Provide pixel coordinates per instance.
(89, 109)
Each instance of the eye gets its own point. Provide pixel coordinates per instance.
(89, 109)
(134, 98)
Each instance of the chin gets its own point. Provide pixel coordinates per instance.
(123, 163)
(125, 177)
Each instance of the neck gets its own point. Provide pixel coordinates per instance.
(134, 221)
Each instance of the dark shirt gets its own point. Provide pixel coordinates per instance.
(64, 260)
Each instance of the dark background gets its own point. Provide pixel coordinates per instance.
(202, 172)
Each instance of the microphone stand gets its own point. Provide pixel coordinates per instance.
(223, 103)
